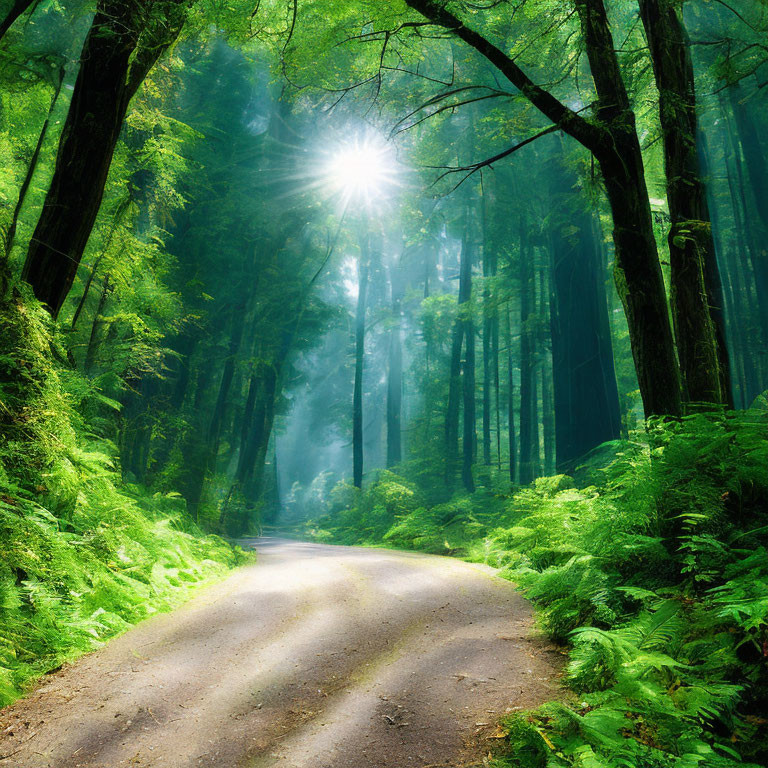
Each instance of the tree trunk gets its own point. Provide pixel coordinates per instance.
(512, 438)
(496, 383)
(236, 335)
(454, 402)
(490, 344)
(527, 372)
(395, 374)
(696, 291)
(258, 420)
(637, 269)
(113, 65)
(357, 396)
(98, 321)
(457, 341)
(586, 397)
(469, 437)
(547, 403)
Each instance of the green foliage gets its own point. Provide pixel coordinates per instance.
(83, 556)
(657, 579)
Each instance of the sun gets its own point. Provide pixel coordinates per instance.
(361, 171)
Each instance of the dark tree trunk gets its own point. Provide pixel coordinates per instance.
(469, 436)
(512, 438)
(696, 291)
(98, 321)
(11, 10)
(454, 402)
(638, 273)
(395, 374)
(457, 341)
(258, 420)
(527, 372)
(490, 345)
(113, 66)
(357, 396)
(547, 404)
(586, 395)
(236, 335)
(496, 383)
(185, 347)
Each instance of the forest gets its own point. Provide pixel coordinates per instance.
(315, 279)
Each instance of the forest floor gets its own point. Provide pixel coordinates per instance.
(317, 656)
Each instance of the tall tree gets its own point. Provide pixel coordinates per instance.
(511, 436)
(395, 371)
(125, 40)
(528, 410)
(357, 395)
(490, 340)
(612, 138)
(546, 372)
(585, 392)
(455, 389)
(696, 291)
(469, 436)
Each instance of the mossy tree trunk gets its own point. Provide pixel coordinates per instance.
(696, 291)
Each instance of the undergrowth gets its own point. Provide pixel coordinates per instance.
(655, 576)
(83, 556)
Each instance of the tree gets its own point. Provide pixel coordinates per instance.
(696, 291)
(528, 411)
(612, 138)
(357, 395)
(126, 38)
(586, 396)
(469, 436)
(395, 371)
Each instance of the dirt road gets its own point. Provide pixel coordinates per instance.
(316, 657)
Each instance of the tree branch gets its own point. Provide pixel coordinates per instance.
(473, 168)
(573, 124)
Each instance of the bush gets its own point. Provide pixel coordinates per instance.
(83, 556)
(656, 576)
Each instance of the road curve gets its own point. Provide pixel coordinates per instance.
(316, 657)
